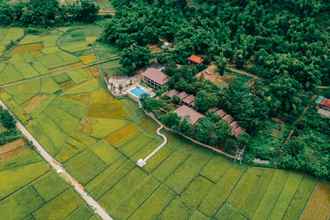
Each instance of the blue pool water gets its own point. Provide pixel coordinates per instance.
(138, 92)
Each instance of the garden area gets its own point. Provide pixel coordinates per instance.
(57, 93)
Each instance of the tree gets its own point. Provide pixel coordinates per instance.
(7, 120)
(205, 100)
(171, 120)
(205, 131)
(239, 59)
(151, 104)
(40, 12)
(223, 132)
(87, 11)
(134, 58)
(287, 95)
(247, 108)
(221, 62)
(186, 127)
(181, 3)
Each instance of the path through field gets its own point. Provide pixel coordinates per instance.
(61, 171)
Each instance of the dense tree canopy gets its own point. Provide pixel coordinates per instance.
(9, 123)
(47, 12)
(284, 43)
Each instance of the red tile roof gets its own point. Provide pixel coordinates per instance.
(189, 99)
(171, 93)
(212, 110)
(155, 75)
(228, 119)
(182, 95)
(325, 103)
(190, 114)
(234, 125)
(221, 113)
(237, 131)
(196, 59)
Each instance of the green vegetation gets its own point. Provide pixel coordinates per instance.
(10, 133)
(28, 186)
(46, 13)
(99, 138)
(278, 50)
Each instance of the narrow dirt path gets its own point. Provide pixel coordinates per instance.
(61, 171)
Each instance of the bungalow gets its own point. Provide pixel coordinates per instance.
(155, 78)
(228, 119)
(189, 100)
(221, 113)
(190, 114)
(237, 132)
(171, 93)
(182, 95)
(234, 125)
(195, 59)
(325, 104)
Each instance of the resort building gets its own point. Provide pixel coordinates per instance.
(182, 95)
(195, 59)
(221, 113)
(237, 131)
(325, 104)
(228, 119)
(188, 113)
(171, 93)
(189, 100)
(154, 78)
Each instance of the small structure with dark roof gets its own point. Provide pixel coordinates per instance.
(195, 59)
(189, 100)
(188, 113)
(155, 78)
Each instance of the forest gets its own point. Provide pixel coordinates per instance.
(46, 12)
(284, 43)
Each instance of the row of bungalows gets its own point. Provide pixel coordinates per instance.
(234, 126)
(184, 97)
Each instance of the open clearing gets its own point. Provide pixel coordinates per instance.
(63, 103)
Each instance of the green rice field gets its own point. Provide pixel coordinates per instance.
(52, 83)
(29, 189)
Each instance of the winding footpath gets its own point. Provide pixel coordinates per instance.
(61, 171)
(143, 162)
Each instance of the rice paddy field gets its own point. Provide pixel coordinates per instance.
(29, 189)
(52, 83)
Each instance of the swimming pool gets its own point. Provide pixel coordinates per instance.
(138, 91)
